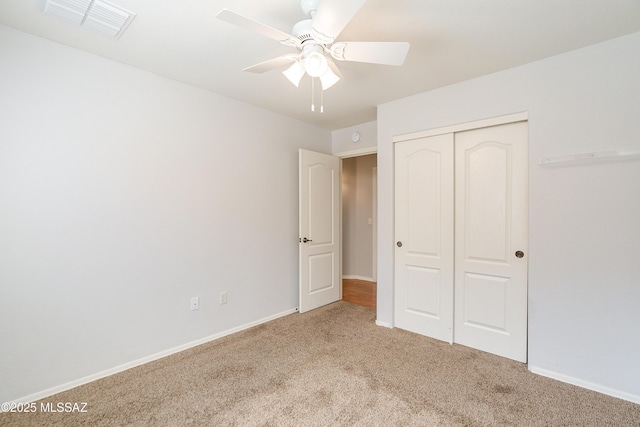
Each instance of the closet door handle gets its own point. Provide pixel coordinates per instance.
(305, 240)
(519, 254)
(399, 243)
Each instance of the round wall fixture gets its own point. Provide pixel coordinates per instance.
(355, 137)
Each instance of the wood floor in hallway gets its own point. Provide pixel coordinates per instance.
(359, 292)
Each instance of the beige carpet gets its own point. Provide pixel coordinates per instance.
(332, 367)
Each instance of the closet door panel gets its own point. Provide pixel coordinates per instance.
(424, 236)
(490, 228)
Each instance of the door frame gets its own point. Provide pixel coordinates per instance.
(494, 121)
(374, 217)
(364, 151)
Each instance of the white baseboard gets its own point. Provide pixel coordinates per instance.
(116, 369)
(585, 384)
(385, 324)
(352, 277)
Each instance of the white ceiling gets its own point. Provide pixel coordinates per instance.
(451, 41)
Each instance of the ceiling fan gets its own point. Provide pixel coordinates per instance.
(314, 38)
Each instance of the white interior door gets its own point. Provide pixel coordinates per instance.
(424, 236)
(319, 222)
(491, 239)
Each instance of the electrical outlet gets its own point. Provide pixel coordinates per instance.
(223, 297)
(195, 303)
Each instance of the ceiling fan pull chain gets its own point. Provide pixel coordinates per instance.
(313, 99)
(321, 100)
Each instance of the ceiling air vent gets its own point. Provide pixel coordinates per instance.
(97, 15)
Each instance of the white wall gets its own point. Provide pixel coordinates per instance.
(341, 142)
(123, 195)
(584, 251)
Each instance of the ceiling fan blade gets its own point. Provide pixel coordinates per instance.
(255, 26)
(272, 63)
(386, 53)
(332, 16)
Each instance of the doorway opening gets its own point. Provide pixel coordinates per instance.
(359, 224)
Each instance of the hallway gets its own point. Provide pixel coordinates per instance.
(360, 292)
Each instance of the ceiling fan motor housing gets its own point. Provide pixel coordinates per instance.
(302, 31)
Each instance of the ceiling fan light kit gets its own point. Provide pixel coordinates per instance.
(295, 73)
(315, 63)
(314, 38)
(328, 79)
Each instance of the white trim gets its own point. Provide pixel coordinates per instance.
(494, 121)
(117, 369)
(355, 153)
(585, 384)
(340, 261)
(353, 277)
(384, 324)
(374, 217)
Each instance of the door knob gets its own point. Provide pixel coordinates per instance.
(519, 254)
(399, 244)
(305, 240)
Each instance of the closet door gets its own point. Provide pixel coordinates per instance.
(491, 239)
(424, 236)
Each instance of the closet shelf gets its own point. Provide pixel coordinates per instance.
(581, 157)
